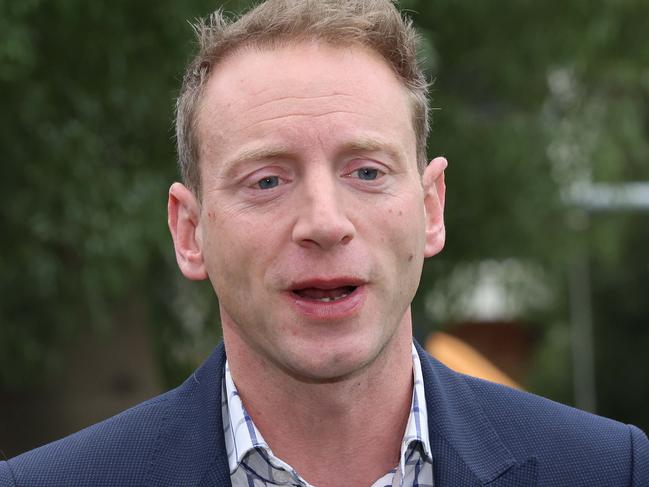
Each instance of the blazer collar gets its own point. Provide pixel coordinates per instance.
(218, 471)
(191, 446)
(465, 447)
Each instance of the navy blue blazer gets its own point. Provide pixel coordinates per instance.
(481, 434)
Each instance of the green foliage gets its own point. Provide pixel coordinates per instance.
(87, 93)
(532, 96)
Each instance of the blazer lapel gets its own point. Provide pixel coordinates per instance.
(465, 447)
(215, 476)
(522, 474)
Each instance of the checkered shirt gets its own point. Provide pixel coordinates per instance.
(252, 463)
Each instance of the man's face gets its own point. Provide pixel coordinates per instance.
(312, 221)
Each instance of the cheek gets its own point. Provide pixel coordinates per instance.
(236, 251)
(404, 231)
(224, 251)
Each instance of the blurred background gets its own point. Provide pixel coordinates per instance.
(542, 109)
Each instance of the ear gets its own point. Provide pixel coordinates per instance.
(434, 197)
(183, 218)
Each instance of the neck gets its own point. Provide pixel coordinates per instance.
(335, 432)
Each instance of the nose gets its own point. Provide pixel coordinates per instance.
(323, 217)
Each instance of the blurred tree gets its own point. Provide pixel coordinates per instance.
(532, 97)
(87, 93)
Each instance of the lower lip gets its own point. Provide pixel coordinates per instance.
(331, 310)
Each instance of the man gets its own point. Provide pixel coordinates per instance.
(308, 203)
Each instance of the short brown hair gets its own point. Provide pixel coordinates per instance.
(375, 24)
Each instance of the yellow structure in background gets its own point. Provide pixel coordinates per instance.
(463, 358)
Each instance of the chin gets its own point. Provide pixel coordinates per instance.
(328, 365)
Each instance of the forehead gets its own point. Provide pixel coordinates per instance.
(255, 86)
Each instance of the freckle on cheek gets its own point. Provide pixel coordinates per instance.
(400, 213)
(410, 257)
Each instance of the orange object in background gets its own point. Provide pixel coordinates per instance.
(462, 357)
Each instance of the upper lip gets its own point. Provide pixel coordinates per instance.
(326, 283)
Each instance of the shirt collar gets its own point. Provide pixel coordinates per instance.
(242, 436)
(416, 433)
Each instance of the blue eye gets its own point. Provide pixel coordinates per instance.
(268, 182)
(367, 173)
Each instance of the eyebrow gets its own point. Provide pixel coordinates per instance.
(255, 154)
(368, 144)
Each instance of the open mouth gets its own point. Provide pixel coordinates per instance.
(325, 295)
